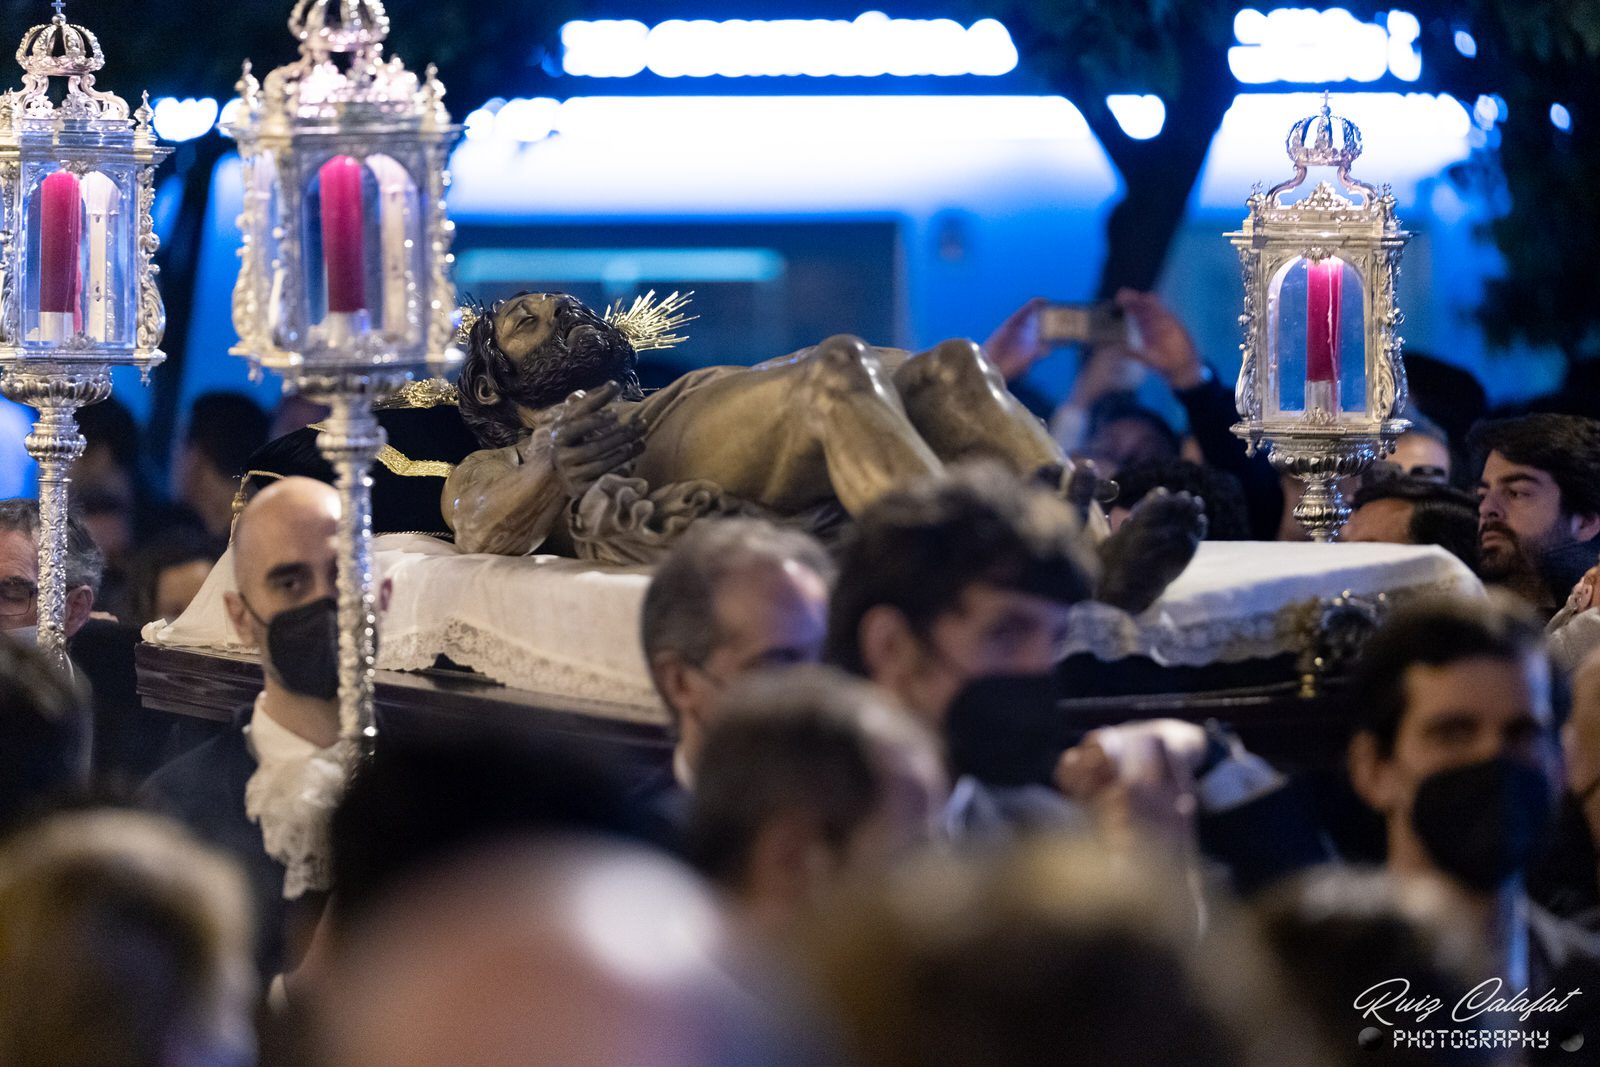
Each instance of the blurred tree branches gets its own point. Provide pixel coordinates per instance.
(1543, 182)
(1174, 49)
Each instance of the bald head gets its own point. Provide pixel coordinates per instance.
(284, 552)
(567, 953)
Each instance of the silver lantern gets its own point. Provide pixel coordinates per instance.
(344, 286)
(78, 292)
(1322, 384)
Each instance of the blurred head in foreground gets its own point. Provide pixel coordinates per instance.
(1350, 942)
(122, 942)
(1049, 954)
(45, 734)
(430, 795)
(564, 952)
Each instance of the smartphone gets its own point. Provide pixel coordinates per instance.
(1091, 324)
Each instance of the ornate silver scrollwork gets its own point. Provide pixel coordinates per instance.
(117, 318)
(1319, 444)
(342, 97)
(57, 394)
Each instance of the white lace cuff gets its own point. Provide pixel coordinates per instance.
(292, 796)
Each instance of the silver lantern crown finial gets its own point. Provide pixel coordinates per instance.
(60, 49)
(1322, 383)
(326, 27)
(1325, 150)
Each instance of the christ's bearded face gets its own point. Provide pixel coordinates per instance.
(559, 346)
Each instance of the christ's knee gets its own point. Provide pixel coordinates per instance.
(842, 367)
(955, 366)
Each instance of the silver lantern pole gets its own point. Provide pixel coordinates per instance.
(77, 294)
(344, 282)
(1322, 384)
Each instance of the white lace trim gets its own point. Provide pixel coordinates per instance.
(500, 657)
(292, 795)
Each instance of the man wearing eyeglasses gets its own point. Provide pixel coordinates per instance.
(19, 572)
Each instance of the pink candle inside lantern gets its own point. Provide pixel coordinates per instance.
(1324, 281)
(60, 225)
(343, 251)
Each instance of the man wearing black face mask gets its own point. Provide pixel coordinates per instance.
(255, 788)
(1457, 752)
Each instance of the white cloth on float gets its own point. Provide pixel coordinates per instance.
(566, 628)
(546, 624)
(1244, 600)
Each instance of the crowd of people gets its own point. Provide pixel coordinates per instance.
(877, 840)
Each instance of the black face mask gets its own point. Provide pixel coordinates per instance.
(303, 645)
(1484, 823)
(1005, 730)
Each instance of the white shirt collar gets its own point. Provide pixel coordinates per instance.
(273, 742)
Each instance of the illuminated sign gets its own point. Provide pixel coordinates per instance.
(184, 120)
(1305, 45)
(870, 45)
(1141, 117)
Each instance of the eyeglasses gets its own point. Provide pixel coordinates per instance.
(17, 597)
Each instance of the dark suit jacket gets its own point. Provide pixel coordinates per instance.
(128, 741)
(204, 789)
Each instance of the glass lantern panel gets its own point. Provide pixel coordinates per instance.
(80, 279)
(362, 233)
(265, 266)
(1316, 312)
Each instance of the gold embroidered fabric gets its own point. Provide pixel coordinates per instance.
(426, 393)
(397, 462)
(406, 467)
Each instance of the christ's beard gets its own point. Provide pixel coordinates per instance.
(585, 358)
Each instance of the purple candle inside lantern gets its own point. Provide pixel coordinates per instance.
(60, 228)
(1324, 281)
(343, 251)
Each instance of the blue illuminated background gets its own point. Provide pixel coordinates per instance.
(900, 182)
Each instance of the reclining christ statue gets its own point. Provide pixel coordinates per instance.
(578, 460)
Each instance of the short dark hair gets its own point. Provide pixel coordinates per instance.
(1441, 514)
(919, 549)
(1124, 405)
(85, 564)
(44, 733)
(1567, 447)
(226, 427)
(801, 738)
(111, 424)
(429, 794)
(1423, 426)
(1226, 518)
(1363, 928)
(679, 607)
(173, 547)
(1434, 632)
